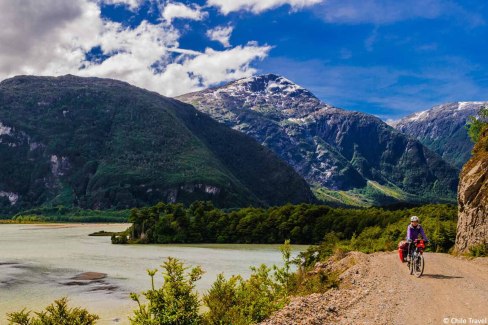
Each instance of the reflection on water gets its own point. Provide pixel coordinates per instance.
(38, 264)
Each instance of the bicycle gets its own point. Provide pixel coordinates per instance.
(416, 261)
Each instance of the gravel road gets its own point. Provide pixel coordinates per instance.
(378, 289)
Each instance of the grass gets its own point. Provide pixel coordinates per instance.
(374, 194)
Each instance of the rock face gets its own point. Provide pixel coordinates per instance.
(331, 148)
(442, 129)
(472, 228)
(103, 144)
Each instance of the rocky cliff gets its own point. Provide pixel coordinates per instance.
(472, 226)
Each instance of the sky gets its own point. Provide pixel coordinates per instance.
(389, 58)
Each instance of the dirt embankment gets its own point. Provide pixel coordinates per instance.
(378, 289)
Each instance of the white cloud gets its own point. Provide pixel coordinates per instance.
(382, 12)
(53, 37)
(221, 34)
(211, 67)
(131, 4)
(216, 66)
(48, 37)
(178, 10)
(258, 6)
(188, 72)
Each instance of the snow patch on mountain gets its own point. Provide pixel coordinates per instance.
(465, 105)
(269, 83)
(272, 95)
(420, 116)
(443, 111)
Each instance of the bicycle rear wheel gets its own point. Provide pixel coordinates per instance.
(418, 266)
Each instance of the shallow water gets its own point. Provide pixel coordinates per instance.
(37, 263)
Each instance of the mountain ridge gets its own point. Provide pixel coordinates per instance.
(442, 129)
(330, 147)
(100, 143)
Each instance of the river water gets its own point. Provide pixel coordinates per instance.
(38, 262)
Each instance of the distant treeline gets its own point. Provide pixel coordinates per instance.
(67, 214)
(302, 224)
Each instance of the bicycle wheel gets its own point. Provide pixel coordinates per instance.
(418, 266)
(412, 262)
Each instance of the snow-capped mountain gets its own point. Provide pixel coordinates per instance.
(270, 95)
(332, 148)
(442, 129)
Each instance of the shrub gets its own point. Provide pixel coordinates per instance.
(476, 125)
(57, 313)
(238, 301)
(314, 282)
(175, 303)
(222, 301)
(319, 252)
(479, 250)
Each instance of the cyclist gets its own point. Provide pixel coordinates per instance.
(414, 229)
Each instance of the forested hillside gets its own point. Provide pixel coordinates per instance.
(104, 144)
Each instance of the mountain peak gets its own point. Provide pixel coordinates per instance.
(271, 84)
(446, 110)
(274, 96)
(442, 129)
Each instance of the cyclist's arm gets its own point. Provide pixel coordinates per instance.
(409, 235)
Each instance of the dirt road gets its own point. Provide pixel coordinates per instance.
(378, 289)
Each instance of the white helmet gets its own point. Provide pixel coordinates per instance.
(414, 218)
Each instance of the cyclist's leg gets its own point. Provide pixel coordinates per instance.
(410, 249)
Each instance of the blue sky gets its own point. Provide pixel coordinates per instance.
(387, 58)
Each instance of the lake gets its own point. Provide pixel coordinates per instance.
(38, 262)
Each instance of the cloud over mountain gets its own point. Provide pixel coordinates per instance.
(56, 37)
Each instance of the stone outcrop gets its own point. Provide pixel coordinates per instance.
(472, 228)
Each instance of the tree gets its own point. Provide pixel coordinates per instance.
(476, 125)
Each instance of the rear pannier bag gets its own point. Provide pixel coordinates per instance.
(402, 250)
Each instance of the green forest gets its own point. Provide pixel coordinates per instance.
(68, 214)
(366, 230)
